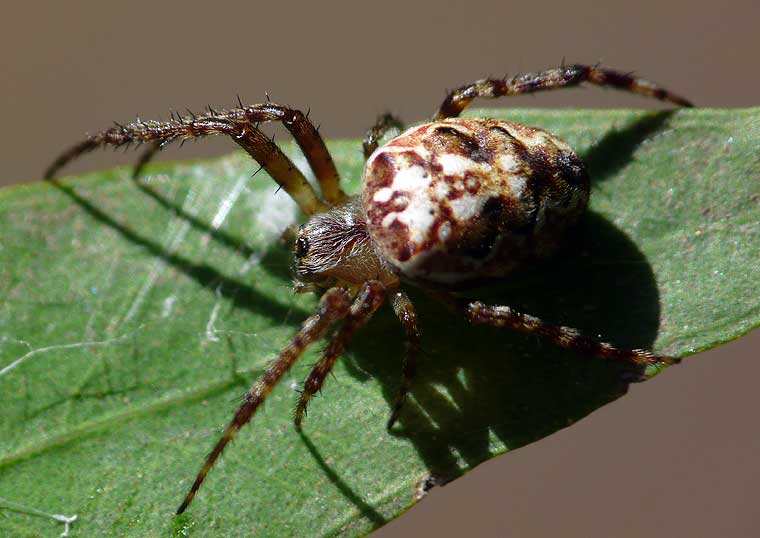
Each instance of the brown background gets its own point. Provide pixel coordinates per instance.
(679, 456)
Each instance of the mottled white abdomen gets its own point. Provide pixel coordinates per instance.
(471, 199)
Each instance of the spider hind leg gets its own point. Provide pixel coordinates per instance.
(552, 79)
(564, 337)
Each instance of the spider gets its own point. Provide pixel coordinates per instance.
(444, 205)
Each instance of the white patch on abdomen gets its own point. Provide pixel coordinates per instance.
(455, 165)
(466, 207)
(518, 185)
(410, 178)
(383, 195)
(508, 163)
(413, 182)
(417, 216)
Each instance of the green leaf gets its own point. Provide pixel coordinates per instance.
(134, 315)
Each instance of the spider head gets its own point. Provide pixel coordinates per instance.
(334, 248)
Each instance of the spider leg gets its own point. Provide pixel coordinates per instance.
(551, 79)
(241, 124)
(333, 306)
(308, 139)
(368, 300)
(404, 309)
(145, 157)
(384, 123)
(305, 134)
(565, 337)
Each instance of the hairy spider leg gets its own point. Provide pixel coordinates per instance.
(368, 300)
(565, 337)
(145, 157)
(305, 134)
(383, 124)
(551, 79)
(406, 314)
(333, 306)
(241, 125)
(268, 155)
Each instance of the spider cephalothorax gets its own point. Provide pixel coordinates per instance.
(443, 205)
(335, 247)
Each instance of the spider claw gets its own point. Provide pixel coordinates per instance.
(240, 103)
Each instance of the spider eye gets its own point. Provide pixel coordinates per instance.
(302, 247)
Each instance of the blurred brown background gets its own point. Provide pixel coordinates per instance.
(679, 456)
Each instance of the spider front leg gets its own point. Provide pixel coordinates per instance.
(242, 126)
(368, 300)
(333, 306)
(404, 310)
(551, 79)
(305, 134)
(565, 337)
(384, 123)
(308, 139)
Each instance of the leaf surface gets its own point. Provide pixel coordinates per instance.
(134, 315)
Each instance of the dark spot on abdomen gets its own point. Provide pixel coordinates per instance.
(479, 243)
(446, 139)
(573, 170)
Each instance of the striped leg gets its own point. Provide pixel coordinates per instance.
(368, 300)
(552, 79)
(333, 306)
(565, 337)
(384, 123)
(241, 124)
(404, 309)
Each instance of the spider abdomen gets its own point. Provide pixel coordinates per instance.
(471, 199)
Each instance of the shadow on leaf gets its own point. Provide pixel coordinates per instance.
(241, 294)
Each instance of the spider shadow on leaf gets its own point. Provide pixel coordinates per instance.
(241, 294)
(476, 383)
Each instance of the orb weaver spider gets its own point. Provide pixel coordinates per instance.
(444, 205)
